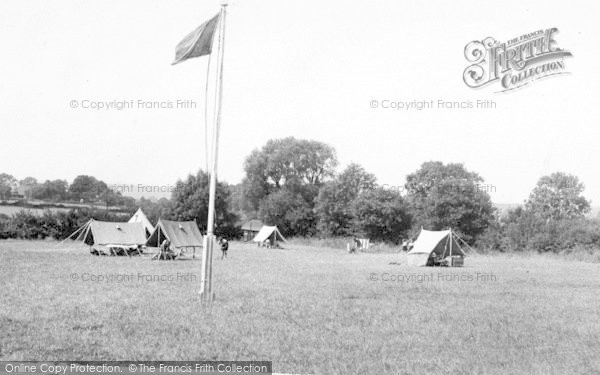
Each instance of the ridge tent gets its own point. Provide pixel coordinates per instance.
(436, 248)
(181, 235)
(140, 217)
(268, 233)
(117, 237)
(251, 228)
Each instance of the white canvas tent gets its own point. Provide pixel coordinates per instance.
(105, 237)
(140, 217)
(432, 246)
(268, 233)
(182, 235)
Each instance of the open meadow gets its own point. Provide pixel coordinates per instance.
(309, 310)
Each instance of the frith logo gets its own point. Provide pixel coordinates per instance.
(515, 63)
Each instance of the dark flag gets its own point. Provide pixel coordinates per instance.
(198, 42)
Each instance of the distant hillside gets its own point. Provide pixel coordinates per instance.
(505, 207)
(9, 208)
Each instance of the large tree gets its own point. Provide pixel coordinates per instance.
(380, 214)
(7, 184)
(449, 196)
(55, 190)
(285, 161)
(29, 184)
(156, 209)
(291, 168)
(558, 196)
(333, 204)
(190, 202)
(289, 211)
(87, 188)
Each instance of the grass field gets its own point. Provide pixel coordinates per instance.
(309, 310)
(11, 210)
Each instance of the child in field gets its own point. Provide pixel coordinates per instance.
(224, 247)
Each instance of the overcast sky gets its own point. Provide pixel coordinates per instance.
(307, 69)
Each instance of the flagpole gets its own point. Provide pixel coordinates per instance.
(206, 292)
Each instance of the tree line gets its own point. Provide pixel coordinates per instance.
(83, 189)
(188, 202)
(295, 184)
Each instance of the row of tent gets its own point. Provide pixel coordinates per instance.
(430, 247)
(139, 231)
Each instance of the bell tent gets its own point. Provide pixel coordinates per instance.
(436, 248)
(140, 217)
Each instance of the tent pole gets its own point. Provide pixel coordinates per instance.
(72, 234)
(445, 247)
(463, 241)
(87, 229)
(451, 234)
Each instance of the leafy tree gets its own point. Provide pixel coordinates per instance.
(552, 218)
(87, 188)
(381, 214)
(289, 211)
(55, 190)
(282, 161)
(255, 185)
(290, 158)
(28, 181)
(558, 196)
(155, 210)
(287, 168)
(333, 204)
(29, 184)
(443, 196)
(7, 185)
(190, 202)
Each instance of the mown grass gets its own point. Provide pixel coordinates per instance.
(309, 310)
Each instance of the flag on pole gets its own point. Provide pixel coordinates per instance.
(198, 42)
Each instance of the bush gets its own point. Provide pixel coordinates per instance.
(527, 232)
(58, 225)
(492, 239)
(381, 215)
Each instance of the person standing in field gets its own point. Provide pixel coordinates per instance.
(224, 247)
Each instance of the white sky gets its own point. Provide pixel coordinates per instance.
(306, 69)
